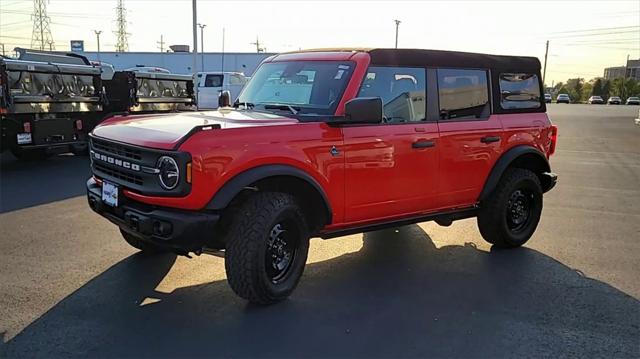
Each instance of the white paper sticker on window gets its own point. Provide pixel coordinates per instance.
(339, 75)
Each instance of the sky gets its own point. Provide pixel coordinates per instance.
(584, 36)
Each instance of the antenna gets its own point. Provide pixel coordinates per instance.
(122, 43)
(41, 34)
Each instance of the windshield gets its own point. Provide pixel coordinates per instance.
(311, 87)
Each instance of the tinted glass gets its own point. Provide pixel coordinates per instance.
(213, 81)
(313, 87)
(463, 94)
(402, 90)
(236, 80)
(519, 91)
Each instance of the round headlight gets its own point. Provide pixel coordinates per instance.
(169, 172)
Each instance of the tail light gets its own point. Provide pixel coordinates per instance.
(26, 126)
(79, 125)
(553, 140)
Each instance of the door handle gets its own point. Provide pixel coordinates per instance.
(423, 144)
(489, 139)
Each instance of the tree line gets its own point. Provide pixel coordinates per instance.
(580, 91)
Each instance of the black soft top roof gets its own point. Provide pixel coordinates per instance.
(440, 58)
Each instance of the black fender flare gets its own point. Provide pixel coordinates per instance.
(506, 160)
(235, 185)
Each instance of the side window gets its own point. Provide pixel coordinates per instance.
(519, 91)
(402, 89)
(463, 94)
(213, 81)
(236, 80)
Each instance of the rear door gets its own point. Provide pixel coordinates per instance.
(470, 135)
(391, 168)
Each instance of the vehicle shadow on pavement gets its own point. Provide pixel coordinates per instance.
(399, 296)
(30, 183)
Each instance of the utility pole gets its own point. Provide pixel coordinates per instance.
(161, 43)
(624, 82)
(41, 33)
(544, 72)
(98, 38)
(194, 65)
(222, 67)
(122, 43)
(397, 25)
(202, 26)
(257, 43)
(2, 45)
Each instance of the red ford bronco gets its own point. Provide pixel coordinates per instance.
(326, 143)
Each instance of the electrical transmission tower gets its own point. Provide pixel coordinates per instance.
(122, 43)
(41, 37)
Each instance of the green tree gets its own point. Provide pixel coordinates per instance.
(606, 89)
(575, 88)
(597, 88)
(557, 87)
(635, 91)
(586, 91)
(617, 87)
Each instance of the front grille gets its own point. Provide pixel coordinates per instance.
(132, 167)
(116, 173)
(117, 149)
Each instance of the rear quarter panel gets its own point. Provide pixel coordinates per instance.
(532, 129)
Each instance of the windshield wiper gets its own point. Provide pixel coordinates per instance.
(281, 106)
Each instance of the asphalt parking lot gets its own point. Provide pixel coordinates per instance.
(69, 286)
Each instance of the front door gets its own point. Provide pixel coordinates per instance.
(209, 90)
(391, 168)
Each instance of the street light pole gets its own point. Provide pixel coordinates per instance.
(202, 26)
(194, 65)
(222, 70)
(397, 25)
(98, 38)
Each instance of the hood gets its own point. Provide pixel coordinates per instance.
(166, 131)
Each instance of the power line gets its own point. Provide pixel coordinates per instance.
(41, 34)
(597, 34)
(15, 23)
(56, 14)
(598, 29)
(122, 44)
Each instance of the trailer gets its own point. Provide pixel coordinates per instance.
(48, 103)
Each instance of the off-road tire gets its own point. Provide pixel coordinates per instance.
(247, 245)
(493, 220)
(144, 247)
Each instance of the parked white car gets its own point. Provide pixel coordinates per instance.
(210, 84)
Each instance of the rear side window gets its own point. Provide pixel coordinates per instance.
(463, 94)
(213, 81)
(519, 91)
(402, 90)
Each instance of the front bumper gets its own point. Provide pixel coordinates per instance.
(178, 230)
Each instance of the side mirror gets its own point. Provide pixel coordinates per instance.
(224, 99)
(363, 110)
